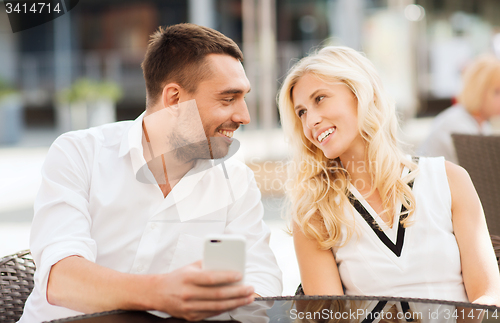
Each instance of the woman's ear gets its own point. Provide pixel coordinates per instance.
(170, 96)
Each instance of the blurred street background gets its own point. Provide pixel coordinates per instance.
(83, 69)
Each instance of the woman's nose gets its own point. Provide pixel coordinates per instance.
(313, 118)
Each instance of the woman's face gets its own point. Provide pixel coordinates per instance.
(491, 103)
(328, 113)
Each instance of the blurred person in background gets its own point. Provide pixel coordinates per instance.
(368, 219)
(478, 101)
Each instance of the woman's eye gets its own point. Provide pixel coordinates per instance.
(301, 112)
(319, 98)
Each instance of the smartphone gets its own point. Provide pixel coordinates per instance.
(225, 252)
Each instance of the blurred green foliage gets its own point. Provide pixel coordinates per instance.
(6, 88)
(89, 90)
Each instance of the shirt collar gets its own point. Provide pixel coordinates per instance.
(132, 143)
(187, 183)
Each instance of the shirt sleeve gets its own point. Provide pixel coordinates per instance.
(246, 218)
(61, 224)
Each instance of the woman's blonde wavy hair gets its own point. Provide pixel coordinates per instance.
(317, 186)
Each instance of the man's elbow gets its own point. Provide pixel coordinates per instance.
(53, 290)
(56, 287)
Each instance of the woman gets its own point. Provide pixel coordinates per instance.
(367, 219)
(478, 101)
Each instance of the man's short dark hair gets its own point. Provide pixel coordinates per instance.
(178, 54)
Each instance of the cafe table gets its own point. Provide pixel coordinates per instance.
(309, 309)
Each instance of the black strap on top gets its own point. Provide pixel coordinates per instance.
(398, 246)
(373, 314)
(405, 306)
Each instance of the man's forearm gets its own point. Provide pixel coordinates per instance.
(188, 292)
(84, 286)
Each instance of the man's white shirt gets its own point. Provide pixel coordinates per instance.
(94, 202)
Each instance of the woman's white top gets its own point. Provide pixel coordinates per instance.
(428, 264)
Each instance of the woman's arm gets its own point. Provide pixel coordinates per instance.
(479, 266)
(318, 268)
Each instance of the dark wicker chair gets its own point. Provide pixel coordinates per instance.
(480, 156)
(16, 283)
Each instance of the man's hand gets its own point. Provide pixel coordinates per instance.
(188, 292)
(194, 294)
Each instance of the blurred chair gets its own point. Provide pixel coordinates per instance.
(16, 283)
(480, 156)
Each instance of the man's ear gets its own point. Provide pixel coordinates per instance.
(170, 97)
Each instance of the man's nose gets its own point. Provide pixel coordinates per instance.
(241, 114)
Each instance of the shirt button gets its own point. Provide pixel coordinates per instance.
(154, 226)
(140, 268)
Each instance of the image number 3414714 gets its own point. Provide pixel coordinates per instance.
(28, 14)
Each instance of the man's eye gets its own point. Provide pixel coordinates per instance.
(228, 100)
(319, 98)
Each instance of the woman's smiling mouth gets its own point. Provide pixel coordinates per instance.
(325, 134)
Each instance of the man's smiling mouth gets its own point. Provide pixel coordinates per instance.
(227, 133)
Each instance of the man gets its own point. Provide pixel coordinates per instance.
(123, 208)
